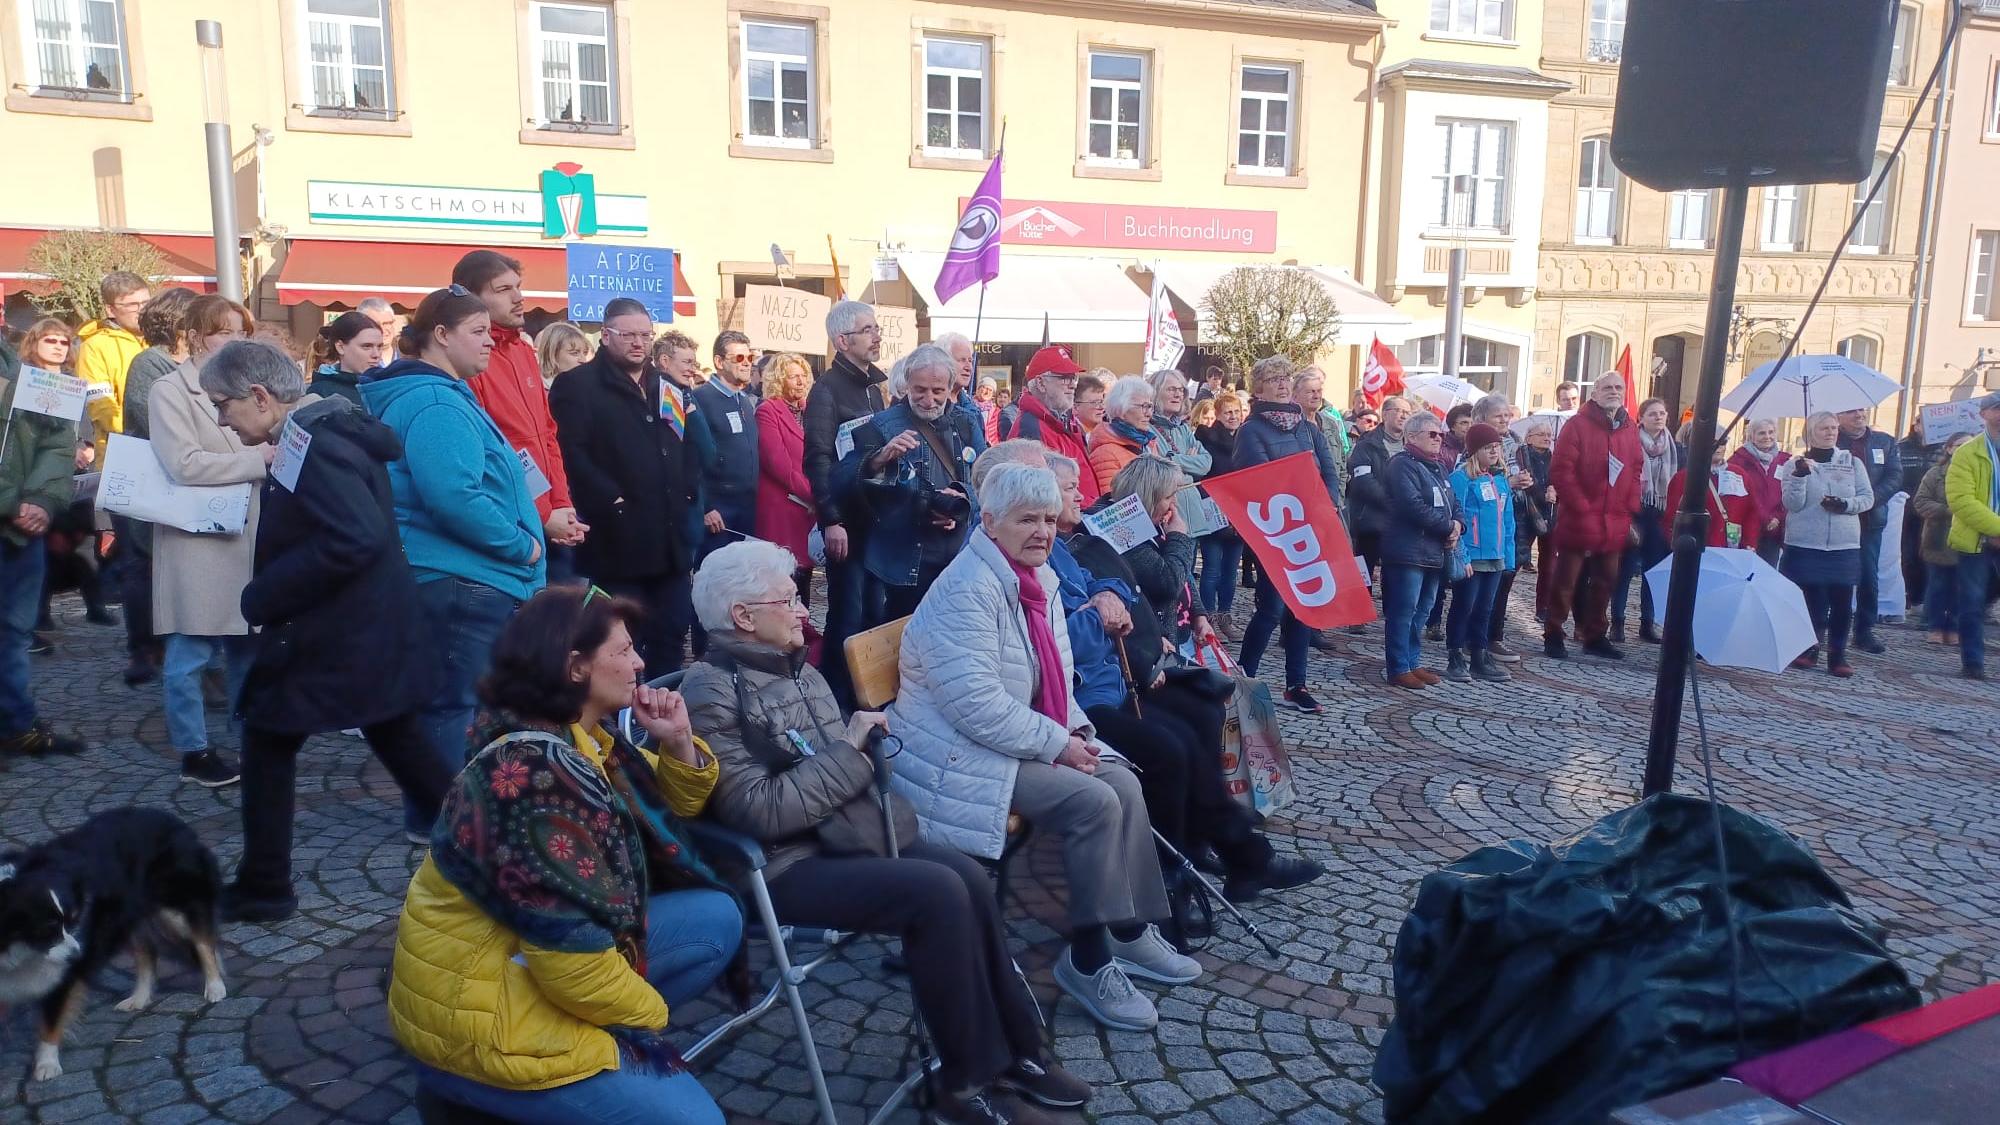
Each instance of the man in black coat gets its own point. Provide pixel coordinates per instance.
(729, 480)
(850, 389)
(622, 444)
(342, 641)
(1367, 498)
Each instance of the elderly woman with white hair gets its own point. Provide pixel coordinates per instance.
(1174, 437)
(1127, 430)
(1825, 491)
(795, 775)
(989, 725)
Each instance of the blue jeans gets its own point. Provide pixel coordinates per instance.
(1470, 625)
(466, 617)
(1221, 559)
(1868, 592)
(21, 571)
(1653, 546)
(1408, 592)
(1975, 571)
(690, 937)
(1941, 597)
(1271, 613)
(180, 684)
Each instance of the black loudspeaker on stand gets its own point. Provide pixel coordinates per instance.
(1733, 94)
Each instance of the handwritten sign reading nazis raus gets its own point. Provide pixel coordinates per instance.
(785, 319)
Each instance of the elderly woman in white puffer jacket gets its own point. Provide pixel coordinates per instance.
(988, 724)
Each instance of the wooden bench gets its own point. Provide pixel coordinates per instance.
(874, 663)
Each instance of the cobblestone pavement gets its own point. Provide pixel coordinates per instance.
(1890, 777)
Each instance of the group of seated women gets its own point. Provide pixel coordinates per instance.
(563, 907)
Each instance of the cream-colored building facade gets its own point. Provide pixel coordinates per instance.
(376, 139)
(1623, 266)
(1464, 136)
(1959, 353)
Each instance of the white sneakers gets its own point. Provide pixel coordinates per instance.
(1108, 994)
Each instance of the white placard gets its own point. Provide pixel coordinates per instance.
(1731, 485)
(1124, 524)
(134, 485)
(1617, 468)
(843, 441)
(1947, 419)
(52, 393)
(538, 481)
(293, 443)
(1204, 517)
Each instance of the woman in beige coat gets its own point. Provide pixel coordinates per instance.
(198, 579)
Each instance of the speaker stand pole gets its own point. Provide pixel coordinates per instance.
(1691, 522)
(1454, 313)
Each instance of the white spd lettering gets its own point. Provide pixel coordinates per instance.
(1310, 577)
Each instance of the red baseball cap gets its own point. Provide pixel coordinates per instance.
(1053, 360)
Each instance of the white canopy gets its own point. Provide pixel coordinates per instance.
(1085, 300)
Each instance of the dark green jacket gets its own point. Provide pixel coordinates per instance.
(38, 465)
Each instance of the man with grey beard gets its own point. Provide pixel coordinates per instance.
(906, 477)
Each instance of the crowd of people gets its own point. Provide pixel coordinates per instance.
(473, 549)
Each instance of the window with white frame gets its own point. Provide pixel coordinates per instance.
(955, 96)
(1784, 208)
(347, 58)
(1264, 118)
(779, 84)
(77, 47)
(1993, 105)
(1489, 364)
(1469, 189)
(1115, 121)
(1871, 233)
(1473, 19)
(1596, 192)
(1606, 41)
(574, 66)
(1864, 350)
(1899, 48)
(1586, 355)
(1982, 295)
(1690, 218)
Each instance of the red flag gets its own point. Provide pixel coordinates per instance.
(1382, 375)
(1282, 510)
(1624, 370)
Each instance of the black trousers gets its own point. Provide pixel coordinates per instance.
(662, 637)
(940, 902)
(1176, 741)
(270, 773)
(1496, 626)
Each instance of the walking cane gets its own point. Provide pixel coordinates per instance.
(1187, 870)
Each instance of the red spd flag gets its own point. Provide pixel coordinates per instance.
(1282, 510)
(1381, 375)
(1624, 370)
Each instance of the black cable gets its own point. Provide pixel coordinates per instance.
(1860, 213)
(1721, 860)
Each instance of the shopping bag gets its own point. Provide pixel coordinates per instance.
(1255, 765)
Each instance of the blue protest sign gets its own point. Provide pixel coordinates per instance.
(599, 274)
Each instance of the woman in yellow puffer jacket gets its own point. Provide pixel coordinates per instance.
(562, 908)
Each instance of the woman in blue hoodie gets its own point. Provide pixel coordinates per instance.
(463, 507)
(1487, 499)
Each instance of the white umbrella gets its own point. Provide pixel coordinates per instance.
(1809, 383)
(1746, 615)
(1441, 391)
(1555, 418)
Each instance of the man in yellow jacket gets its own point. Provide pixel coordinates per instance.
(108, 347)
(1972, 490)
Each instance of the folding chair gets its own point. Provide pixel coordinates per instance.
(748, 854)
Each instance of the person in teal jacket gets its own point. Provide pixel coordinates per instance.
(1486, 498)
(463, 507)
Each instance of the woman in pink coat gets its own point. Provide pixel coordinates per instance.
(784, 496)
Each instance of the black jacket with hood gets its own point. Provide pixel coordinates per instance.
(844, 393)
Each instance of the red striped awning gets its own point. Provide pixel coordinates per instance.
(339, 272)
(190, 259)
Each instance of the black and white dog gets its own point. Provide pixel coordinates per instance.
(122, 880)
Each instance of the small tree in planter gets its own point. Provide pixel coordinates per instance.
(1258, 311)
(75, 261)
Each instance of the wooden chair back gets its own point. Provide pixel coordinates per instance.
(873, 663)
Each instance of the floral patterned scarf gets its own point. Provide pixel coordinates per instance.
(1284, 415)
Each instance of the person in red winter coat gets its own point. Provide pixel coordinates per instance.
(1595, 473)
(1757, 461)
(1734, 517)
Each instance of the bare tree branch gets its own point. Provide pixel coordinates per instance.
(1258, 311)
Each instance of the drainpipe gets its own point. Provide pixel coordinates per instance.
(1914, 331)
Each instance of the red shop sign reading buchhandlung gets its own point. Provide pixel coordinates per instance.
(1125, 226)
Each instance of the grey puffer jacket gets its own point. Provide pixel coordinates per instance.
(1813, 527)
(765, 788)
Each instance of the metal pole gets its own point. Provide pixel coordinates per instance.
(1454, 312)
(1691, 522)
(221, 169)
(1913, 348)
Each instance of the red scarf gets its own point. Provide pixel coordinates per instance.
(1051, 688)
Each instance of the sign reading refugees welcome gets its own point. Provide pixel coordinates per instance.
(599, 274)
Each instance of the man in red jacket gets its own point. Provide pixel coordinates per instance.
(511, 391)
(1595, 473)
(1047, 411)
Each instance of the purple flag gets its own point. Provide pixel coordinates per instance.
(975, 246)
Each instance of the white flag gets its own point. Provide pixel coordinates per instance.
(1163, 330)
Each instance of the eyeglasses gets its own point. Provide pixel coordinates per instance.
(593, 592)
(867, 330)
(634, 334)
(458, 290)
(795, 602)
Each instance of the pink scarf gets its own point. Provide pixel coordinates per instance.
(1051, 689)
